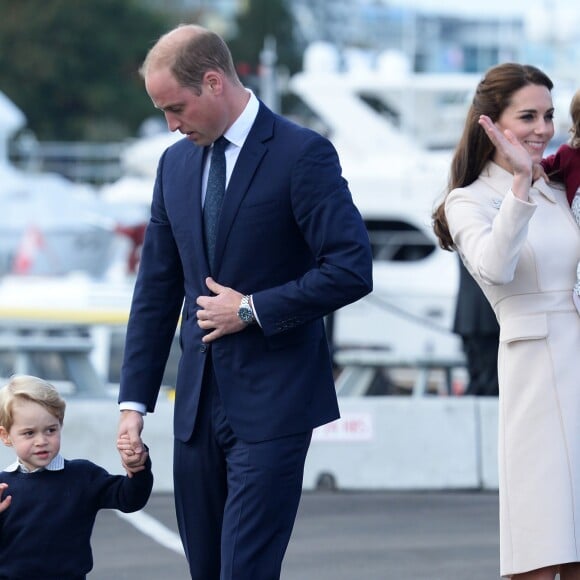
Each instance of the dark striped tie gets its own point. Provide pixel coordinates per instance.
(214, 196)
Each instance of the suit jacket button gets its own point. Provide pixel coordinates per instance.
(203, 348)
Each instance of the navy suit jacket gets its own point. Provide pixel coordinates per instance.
(290, 235)
(474, 315)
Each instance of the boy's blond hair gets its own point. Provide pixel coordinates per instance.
(29, 388)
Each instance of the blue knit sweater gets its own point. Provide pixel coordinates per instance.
(46, 531)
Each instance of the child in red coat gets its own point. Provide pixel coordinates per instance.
(564, 166)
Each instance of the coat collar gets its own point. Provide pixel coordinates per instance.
(501, 180)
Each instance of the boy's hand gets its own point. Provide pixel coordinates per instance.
(6, 501)
(129, 443)
(132, 462)
(538, 171)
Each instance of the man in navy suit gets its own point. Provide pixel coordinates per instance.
(255, 373)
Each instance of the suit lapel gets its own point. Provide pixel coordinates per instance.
(191, 211)
(247, 164)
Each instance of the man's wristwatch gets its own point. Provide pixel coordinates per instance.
(245, 312)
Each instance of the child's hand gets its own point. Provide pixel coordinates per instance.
(6, 501)
(132, 462)
(538, 171)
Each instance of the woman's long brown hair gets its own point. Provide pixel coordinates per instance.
(492, 96)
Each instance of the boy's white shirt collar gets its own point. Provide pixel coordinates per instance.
(55, 465)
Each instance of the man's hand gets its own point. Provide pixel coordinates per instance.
(6, 501)
(129, 443)
(219, 313)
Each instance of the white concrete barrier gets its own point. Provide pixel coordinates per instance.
(386, 442)
(488, 442)
(397, 443)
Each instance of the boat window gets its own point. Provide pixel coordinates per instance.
(398, 241)
(382, 107)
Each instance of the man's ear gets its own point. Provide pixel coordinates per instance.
(5, 436)
(214, 81)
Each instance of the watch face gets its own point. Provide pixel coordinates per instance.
(246, 314)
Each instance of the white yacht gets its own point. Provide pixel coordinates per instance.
(394, 131)
(51, 226)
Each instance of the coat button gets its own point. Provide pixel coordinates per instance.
(203, 348)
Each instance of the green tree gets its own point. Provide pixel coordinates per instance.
(72, 66)
(263, 18)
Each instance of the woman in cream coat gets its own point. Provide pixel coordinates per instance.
(520, 242)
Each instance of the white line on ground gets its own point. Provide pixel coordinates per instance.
(151, 527)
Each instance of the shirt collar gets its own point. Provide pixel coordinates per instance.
(56, 464)
(239, 131)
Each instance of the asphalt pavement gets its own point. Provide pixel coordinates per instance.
(339, 535)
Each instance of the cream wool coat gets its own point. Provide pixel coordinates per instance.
(524, 257)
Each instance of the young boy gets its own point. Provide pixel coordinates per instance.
(47, 519)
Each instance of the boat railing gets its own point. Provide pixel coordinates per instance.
(61, 351)
(360, 367)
